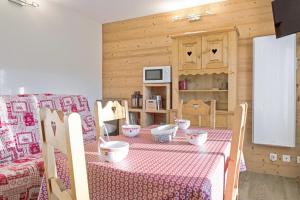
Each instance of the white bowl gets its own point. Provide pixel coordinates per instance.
(164, 133)
(196, 137)
(183, 123)
(114, 151)
(131, 130)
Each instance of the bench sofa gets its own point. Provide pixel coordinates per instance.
(21, 164)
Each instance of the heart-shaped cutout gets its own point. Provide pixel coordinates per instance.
(214, 51)
(53, 125)
(113, 109)
(189, 53)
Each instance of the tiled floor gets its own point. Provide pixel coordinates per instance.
(255, 186)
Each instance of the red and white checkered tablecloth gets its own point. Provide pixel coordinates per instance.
(175, 170)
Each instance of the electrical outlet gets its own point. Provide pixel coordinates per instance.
(273, 157)
(286, 158)
(298, 159)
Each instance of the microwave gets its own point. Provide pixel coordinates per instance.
(159, 74)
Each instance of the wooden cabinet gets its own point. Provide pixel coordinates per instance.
(215, 51)
(203, 52)
(189, 53)
(207, 60)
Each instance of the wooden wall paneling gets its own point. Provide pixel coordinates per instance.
(175, 77)
(232, 73)
(146, 41)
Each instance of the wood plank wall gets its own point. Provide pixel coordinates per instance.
(131, 44)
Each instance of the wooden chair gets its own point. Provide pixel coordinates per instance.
(197, 110)
(237, 142)
(65, 134)
(112, 110)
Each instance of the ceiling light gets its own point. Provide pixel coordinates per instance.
(172, 5)
(25, 3)
(176, 18)
(192, 17)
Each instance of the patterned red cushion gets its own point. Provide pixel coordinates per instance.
(21, 178)
(21, 165)
(19, 130)
(19, 121)
(68, 104)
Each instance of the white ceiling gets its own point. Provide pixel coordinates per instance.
(105, 11)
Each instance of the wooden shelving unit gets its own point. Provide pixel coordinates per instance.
(138, 114)
(156, 116)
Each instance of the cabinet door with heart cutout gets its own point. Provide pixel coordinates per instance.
(190, 53)
(214, 51)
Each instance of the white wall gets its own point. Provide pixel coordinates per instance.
(49, 49)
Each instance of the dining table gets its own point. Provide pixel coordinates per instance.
(151, 170)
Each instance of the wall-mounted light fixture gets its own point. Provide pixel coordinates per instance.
(192, 17)
(25, 3)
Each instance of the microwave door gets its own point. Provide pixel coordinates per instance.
(154, 75)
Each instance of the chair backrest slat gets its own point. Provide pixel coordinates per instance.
(54, 131)
(236, 150)
(64, 133)
(112, 110)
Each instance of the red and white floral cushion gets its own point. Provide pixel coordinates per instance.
(20, 179)
(19, 127)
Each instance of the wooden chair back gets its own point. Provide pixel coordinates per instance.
(64, 133)
(197, 111)
(236, 150)
(112, 110)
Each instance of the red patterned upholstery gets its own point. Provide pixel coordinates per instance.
(19, 127)
(71, 103)
(21, 178)
(21, 165)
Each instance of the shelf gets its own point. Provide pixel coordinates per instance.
(203, 90)
(156, 111)
(135, 109)
(157, 84)
(194, 72)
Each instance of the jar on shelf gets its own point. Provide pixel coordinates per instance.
(183, 85)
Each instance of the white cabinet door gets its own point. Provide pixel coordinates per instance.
(274, 91)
